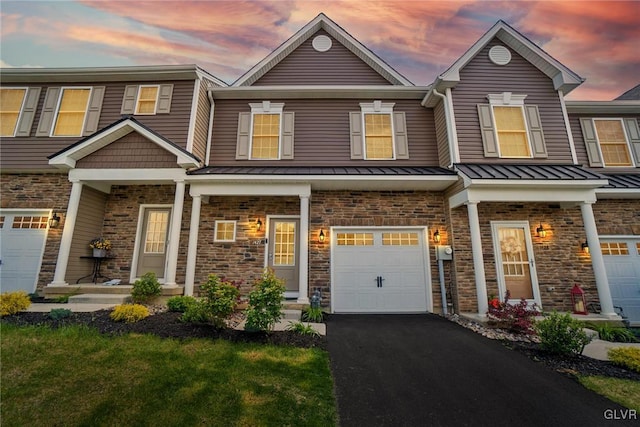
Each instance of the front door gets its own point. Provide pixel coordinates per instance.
(153, 242)
(284, 251)
(515, 264)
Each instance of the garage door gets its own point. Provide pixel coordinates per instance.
(622, 262)
(22, 238)
(379, 271)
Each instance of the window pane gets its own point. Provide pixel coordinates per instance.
(400, 239)
(225, 231)
(156, 232)
(285, 244)
(378, 137)
(147, 100)
(73, 108)
(10, 105)
(614, 248)
(266, 136)
(354, 239)
(613, 143)
(512, 132)
(30, 222)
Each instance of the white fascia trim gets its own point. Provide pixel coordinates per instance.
(621, 193)
(193, 114)
(530, 195)
(508, 183)
(136, 176)
(241, 189)
(298, 178)
(320, 92)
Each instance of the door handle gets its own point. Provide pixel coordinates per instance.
(381, 280)
(378, 282)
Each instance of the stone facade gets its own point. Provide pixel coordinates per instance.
(617, 217)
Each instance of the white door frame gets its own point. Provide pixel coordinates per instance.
(136, 248)
(495, 225)
(266, 246)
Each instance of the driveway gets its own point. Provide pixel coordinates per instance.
(422, 370)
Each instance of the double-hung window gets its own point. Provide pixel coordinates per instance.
(71, 112)
(11, 101)
(378, 133)
(265, 133)
(611, 142)
(512, 131)
(147, 100)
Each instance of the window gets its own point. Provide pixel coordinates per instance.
(225, 231)
(613, 142)
(614, 248)
(378, 136)
(512, 132)
(284, 248)
(156, 236)
(147, 98)
(71, 112)
(30, 222)
(354, 239)
(400, 239)
(265, 133)
(265, 143)
(11, 101)
(378, 133)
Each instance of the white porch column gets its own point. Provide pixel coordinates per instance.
(174, 236)
(602, 283)
(478, 259)
(67, 235)
(303, 295)
(192, 250)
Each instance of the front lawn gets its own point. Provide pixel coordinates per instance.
(624, 392)
(76, 376)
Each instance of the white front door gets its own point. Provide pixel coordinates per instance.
(515, 264)
(23, 235)
(622, 263)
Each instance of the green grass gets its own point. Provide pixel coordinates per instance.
(624, 392)
(74, 376)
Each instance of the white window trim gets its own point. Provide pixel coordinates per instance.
(215, 231)
(24, 100)
(266, 107)
(626, 137)
(377, 107)
(508, 99)
(155, 105)
(55, 116)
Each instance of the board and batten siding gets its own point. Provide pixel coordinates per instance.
(30, 153)
(306, 66)
(441, 135)
(481, 77)
(321, 134)
(132, 151)
(88, 226)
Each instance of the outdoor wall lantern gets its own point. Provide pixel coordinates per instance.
(585, 247)
(436, 237)
(258, 225)
(321, 236)
(578, 301)
(54, 221)
(541, 231)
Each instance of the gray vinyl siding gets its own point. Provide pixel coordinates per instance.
(30, 153)
(88, 226)
(306, 66)
(322, 134)
(581, 149)
(202, 123)
(132, 151)
(441, 135)
(481, 77)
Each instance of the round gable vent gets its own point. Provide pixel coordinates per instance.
(321, 43)
(499, 55)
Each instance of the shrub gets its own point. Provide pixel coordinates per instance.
(517, 318)
(302, 329)
(609, 333)
(13, 302)
(313, 314)
(627, 357)
(146, 288)
(181, 303)
(59, 313)
(195, 313)
(265, 302)
(217, 303)
(562, 334)
(129, 313)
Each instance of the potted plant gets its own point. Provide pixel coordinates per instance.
(100, 246)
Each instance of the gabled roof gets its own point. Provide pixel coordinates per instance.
(631, 94)
(322, 22)
(563, 78)
(67, 158)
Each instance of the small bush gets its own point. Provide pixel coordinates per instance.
(181, 303)
(13, 302)
(302, 329)
(265, 302)
(59, 313)
(129, 313)
(146, 288)
(609, 333)
(627, 357)
(63, 299)
(562, 334)
(219, 299)
(195, 313)
(313, 314)
(517, 318)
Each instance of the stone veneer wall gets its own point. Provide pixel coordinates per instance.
(39, 191)
(617, 217)
(559, 259)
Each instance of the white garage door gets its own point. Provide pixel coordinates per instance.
(22, 238)
(379, 271)
(622, 262)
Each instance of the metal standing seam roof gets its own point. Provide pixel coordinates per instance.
(363, 171)
(527, 172)
(623, 181)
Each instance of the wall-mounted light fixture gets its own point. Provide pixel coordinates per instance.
(436, 237)
(258, 225)
(585, 247)
(54, 221)
(541, 231)
(321, 236)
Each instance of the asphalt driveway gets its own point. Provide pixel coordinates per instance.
(422, 370)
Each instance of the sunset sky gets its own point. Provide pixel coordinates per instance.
(597, 39)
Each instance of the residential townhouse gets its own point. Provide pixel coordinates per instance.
(327, 165)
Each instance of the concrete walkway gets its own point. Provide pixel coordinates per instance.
(75, 307)
(597, 349)
(423, 370)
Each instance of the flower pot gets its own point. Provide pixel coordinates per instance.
(99, 253)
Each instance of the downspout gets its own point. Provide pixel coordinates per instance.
(212, 104)
(452, 135)
(454, 131)
(443, 290)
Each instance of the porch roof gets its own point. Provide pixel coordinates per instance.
(623, 181)
(527, 172)
(358, 171)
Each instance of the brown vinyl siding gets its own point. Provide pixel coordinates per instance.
(321, 134)
(202, 123)
(481, 77)
(306, 66)
(30, 153)
(129, 152)
(581, 149)
(441, 135)
(88, 227)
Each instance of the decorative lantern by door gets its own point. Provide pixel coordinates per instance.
(578, 301)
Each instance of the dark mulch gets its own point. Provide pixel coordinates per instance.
(166, 325)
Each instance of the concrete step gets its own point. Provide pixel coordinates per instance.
(100, 299)
(291, 314)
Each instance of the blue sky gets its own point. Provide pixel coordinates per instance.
(596, 39)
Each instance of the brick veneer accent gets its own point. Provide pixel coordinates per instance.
(39, 191)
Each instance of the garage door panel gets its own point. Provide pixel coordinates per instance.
(622, 264)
